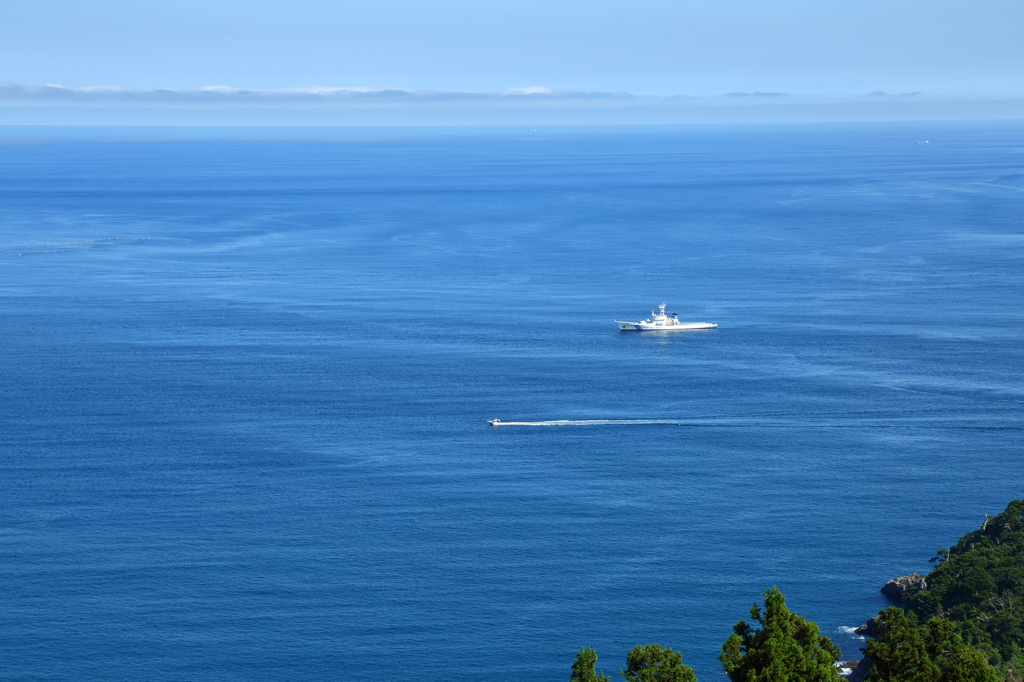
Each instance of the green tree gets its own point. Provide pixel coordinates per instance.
(967, 665)
(898, 651)
(652, 663)
(583, 668)
(786, 648)
(956, 661)
(978, 585)
(935, 652)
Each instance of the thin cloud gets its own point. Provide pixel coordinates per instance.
(361, 105)
(756, 94)
(882, 93)
(532, 90)
(226, 94)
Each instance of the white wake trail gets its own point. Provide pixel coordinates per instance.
(597, 422)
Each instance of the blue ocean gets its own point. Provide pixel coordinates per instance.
(247, 375)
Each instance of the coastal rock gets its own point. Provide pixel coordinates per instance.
(900, 588)
(869, 628)
(861, 671)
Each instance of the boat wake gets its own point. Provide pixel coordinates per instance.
(785, 422)
(596, 422)
(71, 246)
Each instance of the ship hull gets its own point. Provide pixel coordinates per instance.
(682, 326)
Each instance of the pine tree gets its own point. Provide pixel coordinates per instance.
(956, 661)
(899, 651)
(583, 668)
(978, 585)
(786, 648)
(933, 653)
(967, 665)
(652, 663)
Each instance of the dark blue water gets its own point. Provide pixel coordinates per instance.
(245, 383)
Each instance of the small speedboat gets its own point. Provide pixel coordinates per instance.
(659, 321)
(493, 422)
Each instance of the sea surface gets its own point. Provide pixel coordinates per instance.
(246, 376)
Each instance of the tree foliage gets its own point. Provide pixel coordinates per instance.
(786, 648)
(898, 651)
(956, 661)
(978, 585)
(584, 667)
(652, 663)
(903, 652)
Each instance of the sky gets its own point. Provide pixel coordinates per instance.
(667, 55)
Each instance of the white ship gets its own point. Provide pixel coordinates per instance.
(659, 321)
